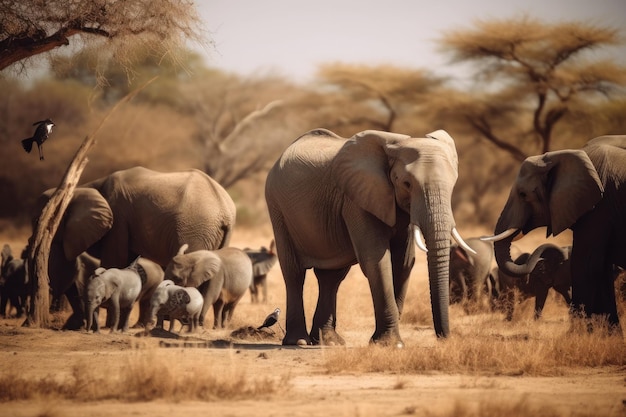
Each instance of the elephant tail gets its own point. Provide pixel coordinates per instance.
(226, 233)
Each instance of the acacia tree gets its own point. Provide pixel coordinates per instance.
(31, 27)
(533, 69)
(380, 93)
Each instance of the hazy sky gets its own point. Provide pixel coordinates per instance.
(292, 37)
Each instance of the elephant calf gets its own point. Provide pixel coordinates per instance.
(222, 276)
(552, 271)
(177, 303)
(116, 289)
(13, 283)
(470, 273)
(263, 260)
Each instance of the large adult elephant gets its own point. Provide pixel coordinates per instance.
(136, 212)
(578, 189)
(335, 202)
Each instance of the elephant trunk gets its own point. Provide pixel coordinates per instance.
(502, 249)
(436, 221)
(90, 312)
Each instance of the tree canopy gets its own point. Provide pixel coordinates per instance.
(30, 27)
(526, 66)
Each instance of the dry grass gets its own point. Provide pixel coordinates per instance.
(143, 377)
(491, 348)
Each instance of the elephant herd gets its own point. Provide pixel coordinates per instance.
(334, 202)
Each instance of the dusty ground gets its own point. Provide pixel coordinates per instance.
(309, 389)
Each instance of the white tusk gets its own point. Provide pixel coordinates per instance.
(461, 242)
(500, 236)
(419, 241)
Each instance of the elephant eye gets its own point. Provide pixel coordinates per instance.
(522, 194)
(407, 185)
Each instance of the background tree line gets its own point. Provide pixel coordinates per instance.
(535, 88)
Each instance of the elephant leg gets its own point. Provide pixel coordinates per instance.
(124, 318)
(402, 262)
(211, 291)
(325, 318)
(115, 309)
(263, 284)
(254, 292)
(218, 320)
(540, 301)
(4, 299)
(605, 303)
(144, 312)
(76, 320)
(293, 275)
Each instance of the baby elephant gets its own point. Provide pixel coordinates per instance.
(115, 289)
(263, 260)
(222, 276)
(177, 303)
(552, 271)
(470, 274)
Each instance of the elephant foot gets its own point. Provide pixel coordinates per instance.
(292, 339)
(327, 337)
(390, 338)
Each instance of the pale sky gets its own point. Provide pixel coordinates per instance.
(292, 37)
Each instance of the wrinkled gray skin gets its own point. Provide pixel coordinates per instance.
(151, 275)
(470, 273)
(176, 303)
(222, 276)
(263, 260)
(14, 286)
(115, 289)
(552, 271)
(335, 202)
(136, 212)
(582, 190)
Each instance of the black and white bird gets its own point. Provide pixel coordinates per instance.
(271, 320)
(44, 127)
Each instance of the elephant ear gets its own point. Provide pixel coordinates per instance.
(361, 169)
(87, 219)
(205, 268)
(574, 186)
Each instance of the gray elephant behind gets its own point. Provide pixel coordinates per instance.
(14, 285)
(222, 276)
(174, 302)
(582, 190)
(117, 290)
(551, 271)
(470, 274)
(263, 260)
(135, 212)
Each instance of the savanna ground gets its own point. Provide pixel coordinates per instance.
(488, 367)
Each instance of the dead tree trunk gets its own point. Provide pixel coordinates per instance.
(48, 223)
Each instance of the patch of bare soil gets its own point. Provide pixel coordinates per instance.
(307, 390)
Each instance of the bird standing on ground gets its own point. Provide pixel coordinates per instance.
(44, 127)
(271, 320)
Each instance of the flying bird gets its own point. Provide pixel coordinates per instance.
(271, 320)
(44, 127)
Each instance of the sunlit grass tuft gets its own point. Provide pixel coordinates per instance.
(144, 378)
(531, 350)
